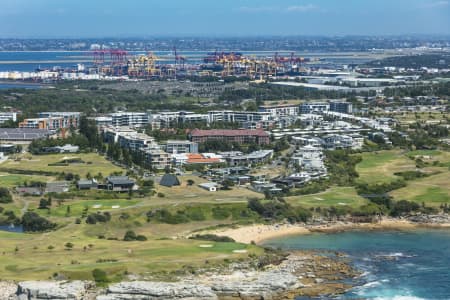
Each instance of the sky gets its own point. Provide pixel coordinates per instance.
(215, 18)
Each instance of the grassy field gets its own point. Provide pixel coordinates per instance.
(195, 194)
(13, 180)
(77, 207)
(433, 190)
(335, 196)
(27, 256)
(412, 117)
(380, 166)
(93, 163)
(39, 256)
(431, 153)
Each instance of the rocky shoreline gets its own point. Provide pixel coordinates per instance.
(301, 273)
(259, 233)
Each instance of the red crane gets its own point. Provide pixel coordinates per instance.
(178, 58)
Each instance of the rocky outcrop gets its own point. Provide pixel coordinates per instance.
(262, 285)
(303, 273)
(430, 219)
(140, 290)
(73, 290)
(7, 290)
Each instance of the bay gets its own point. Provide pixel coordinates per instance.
(396, 265)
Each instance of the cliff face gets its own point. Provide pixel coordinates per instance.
(157, 290)
(31, 290)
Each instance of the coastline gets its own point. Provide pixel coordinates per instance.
(258, 233)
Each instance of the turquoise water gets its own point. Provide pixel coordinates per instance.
(394, 265)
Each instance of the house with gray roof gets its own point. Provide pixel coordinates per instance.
(119, 183)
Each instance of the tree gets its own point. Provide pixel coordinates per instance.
(5, 195)
(130, 236)
(190, 182)
(31, 221)
(43, 204)
(68, 246)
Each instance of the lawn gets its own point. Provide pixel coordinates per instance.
(432, 190)
(77, 206)
(194, 194)
(412, 117)
(431, 153)
(34, 260)
(93, 163)
(380, 166)
(335, 196)
(13, 180)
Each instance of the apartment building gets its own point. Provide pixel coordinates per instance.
(280, 110)
(131, 119)
(174, 147)
(155, 158)
(69, 119)
(314, 107)
(6, 116)
(240, 136)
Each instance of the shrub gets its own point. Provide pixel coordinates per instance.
(220, 213)
(403, 207)
(132, 236)
(278, 210)
(410, 175)
(98, 217)
(5, 195)
(100, 276)
(213, 238)
(164, 216)
(69, 246)
(141, 238)
(129, 236)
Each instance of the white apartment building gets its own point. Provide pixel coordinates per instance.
(132, 119)
(280, 110)
(5, 116)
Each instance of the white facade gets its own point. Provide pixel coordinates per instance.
(209, 186)
(5, 116)
(132, 119)
(280, 110)
(309, 158)
(314, 107)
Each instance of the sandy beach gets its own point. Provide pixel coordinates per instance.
(259, 233)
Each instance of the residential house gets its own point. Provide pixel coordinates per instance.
(119, 183)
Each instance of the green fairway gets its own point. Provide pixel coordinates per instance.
(432, 190)
(28, 256)
(380, 166)
(13, 180)
(77, 207)
(336, 196)
(423, 153)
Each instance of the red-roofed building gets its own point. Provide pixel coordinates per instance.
(201, 159)
(241, 136)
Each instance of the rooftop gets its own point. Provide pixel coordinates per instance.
(229, 132)
(23, 134)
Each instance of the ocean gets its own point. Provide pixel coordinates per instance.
(399, 265)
